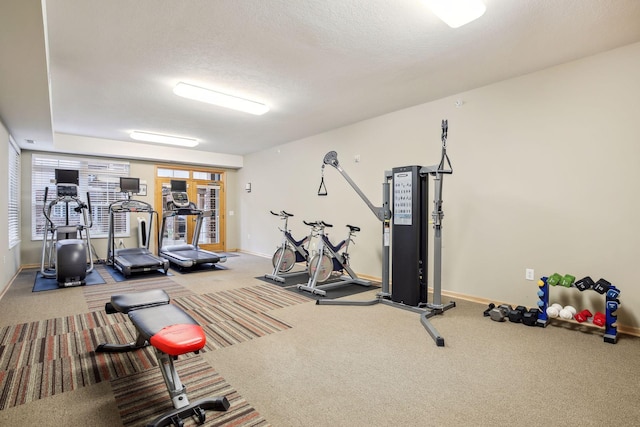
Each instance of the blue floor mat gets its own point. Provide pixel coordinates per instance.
(44, 284)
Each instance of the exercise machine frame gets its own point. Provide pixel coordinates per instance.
(186, 255)
(384, 214)
(300, 252)
(133, 260)
(338, 257)
(50, 264)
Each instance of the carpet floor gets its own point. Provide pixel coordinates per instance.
(282, 360)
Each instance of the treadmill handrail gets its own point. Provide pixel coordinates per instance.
(130, 206)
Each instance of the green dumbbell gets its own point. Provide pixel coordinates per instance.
(554, 279)
(567, 280)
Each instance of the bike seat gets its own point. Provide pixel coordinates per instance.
(353, 228)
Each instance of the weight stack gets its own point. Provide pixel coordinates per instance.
(409, 233)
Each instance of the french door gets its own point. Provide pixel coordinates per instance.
(206, 189)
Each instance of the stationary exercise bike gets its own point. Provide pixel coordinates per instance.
(329, 259)
(290, 252)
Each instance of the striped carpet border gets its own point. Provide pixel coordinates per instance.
(143, 396)
(37, 381)
(97, 296)
(40, 359)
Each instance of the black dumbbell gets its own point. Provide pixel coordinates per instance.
(584, 283)
(601, 286)
(530, 318)
(491, 307)
(516, 314)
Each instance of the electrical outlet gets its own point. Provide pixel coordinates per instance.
(528, 274)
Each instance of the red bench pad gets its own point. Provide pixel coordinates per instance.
(169, 328)
(175, 340)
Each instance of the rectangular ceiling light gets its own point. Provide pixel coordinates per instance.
(163, 139)
(456, 13)
(216, 98)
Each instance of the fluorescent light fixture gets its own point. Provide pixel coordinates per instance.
(216, 98)
(163, 139)
(456, 13)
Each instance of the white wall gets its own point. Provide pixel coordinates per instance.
(545, 176)
(9, 258)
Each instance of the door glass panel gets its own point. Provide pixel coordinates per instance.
(208, 199)
(175, 232)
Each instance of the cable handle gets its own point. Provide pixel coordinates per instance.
(445, 130)
(322, 190)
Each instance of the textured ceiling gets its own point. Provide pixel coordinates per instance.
(319, 64)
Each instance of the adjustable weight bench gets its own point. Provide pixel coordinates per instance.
(171, 332)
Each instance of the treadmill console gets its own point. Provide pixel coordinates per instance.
(181, 200)
(179, 194)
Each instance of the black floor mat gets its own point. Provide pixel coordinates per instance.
(291, 283)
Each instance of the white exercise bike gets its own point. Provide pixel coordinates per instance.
(290, 252)
(331, 260)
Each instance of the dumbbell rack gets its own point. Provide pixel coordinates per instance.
(611, 305)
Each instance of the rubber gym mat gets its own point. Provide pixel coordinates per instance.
(44, 284)
(338, 292)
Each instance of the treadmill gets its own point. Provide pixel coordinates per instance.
(133, 260)
(185, 255)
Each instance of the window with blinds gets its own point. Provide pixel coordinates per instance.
(14, 193)
(99, 178)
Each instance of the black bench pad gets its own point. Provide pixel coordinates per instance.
(124, 303)
(152, 320)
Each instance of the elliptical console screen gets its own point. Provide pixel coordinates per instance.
(67, 176)
(67, 182)
(179, 193)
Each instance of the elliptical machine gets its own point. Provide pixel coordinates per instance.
(65, 248)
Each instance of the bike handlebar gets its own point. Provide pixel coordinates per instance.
(281, 214)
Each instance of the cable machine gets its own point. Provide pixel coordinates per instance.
(406, 229)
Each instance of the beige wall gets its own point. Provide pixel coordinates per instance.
(31, 250)
(545, 176)
(9, 258)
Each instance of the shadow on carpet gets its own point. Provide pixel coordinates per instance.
(290, 284)
(42, 283)
(119, 277)
(198, 268)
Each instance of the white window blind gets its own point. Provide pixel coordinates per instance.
(100, 178)
(14, 193)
